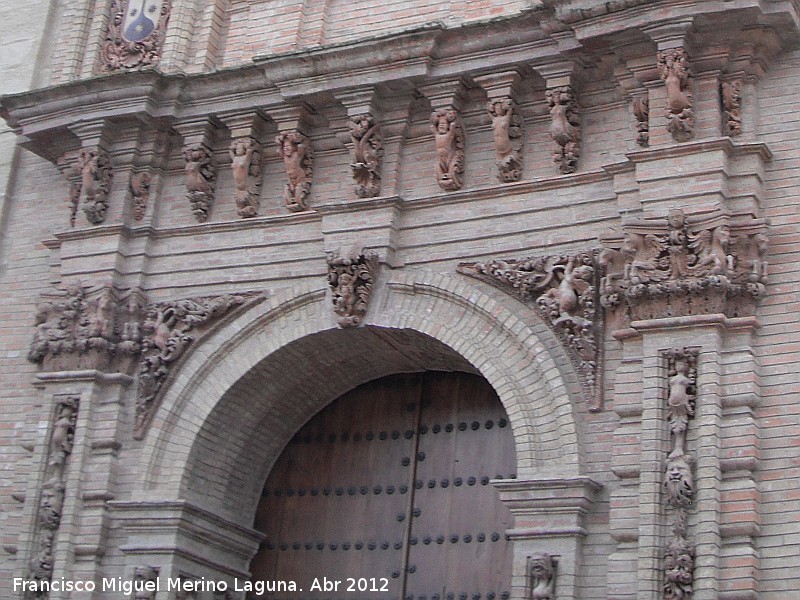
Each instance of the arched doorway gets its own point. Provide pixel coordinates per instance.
(387, 491)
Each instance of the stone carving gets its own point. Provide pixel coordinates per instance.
(246, 164)
(51, 501)
(641, 110)
(565, 290)
(564, 127)
(298, 159)
(95, 168)
(139, 187)
(448, 133)
(508, 143)
(673, 65)
(351, 278)
(682, 265)
(84, 327)
(542, 572)
(679, 570)
(201, 178)
(731, 94)
(168, 331)
(135, 34)
(145, 583)
(74, 202)
(680, 406)
(365, 133)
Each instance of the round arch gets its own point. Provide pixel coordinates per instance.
(246, 389)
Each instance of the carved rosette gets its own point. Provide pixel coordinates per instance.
(641, 110)
(201, 178)
(51, 501)
(365, 134)
(351, 279)
(542, 576)
(298, 158)
(565, 289)
(448, 134)
(247, 167)
(169, 329)
(679, 265)
(507, 128)
(145, 583)
(679, 486)
(95, 168)
(673, 66)
(85, 327)
(139, 188)
(565, 128)
(731, 95)
(135, 35)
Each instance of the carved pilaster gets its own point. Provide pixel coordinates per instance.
(565, 129)
(448, 133)
(201, 179)
(297, 152)
(731, 96)
(507, 124)
(365, 134)
(673, 66)
(135, 35)
(247, 167)
(351, 279)
(565, 290)
(95, 167)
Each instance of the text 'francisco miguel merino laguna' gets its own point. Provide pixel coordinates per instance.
(128, 586)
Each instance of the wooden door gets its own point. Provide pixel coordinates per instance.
(387, 492)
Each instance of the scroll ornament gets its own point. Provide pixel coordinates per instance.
(565, 290)
(86, 327)
(168, 331)
(365, 134)
(673, 66)
(246, 164)
(542, 572)
(201, 178)
(681, 265)
(508, 142)
(448, 134)
(351, 279)
(95, 168)
(119, 52)
(564, 127)
(298, 158)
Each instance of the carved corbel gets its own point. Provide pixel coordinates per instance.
(673, 66)
(448, 133)
(135, 35)
(641, 110)
(199, 138)
(365, 139)
(731, 98)
(95, 168)
(565, 290)
(351, 279)
(507, 124)
(139, 188)
(297, 152)
(565, 129)
(69, 166)
(247, 160)
(542, 576)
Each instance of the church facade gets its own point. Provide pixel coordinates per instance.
(482, 300)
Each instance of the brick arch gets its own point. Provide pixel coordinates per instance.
(247, 388)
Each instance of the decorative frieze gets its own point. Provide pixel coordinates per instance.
(51, 501)
(365, 134)
(448, 135)
(139, 187)
(135, 35)
(641, 110)
(201, 178)
(247, 168)
(298, 158)
(507, 128)
(564, 127)
(542, 576)
(351, 279)
(95, 168)
(169, 329)
(673, 66)
(731, 96)
(565, 290)
(685, 265)
(85, 327)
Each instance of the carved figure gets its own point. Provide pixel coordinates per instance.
(711, 247)
(641, 110)
(676, 242)
(673, 65)
(246, 167)
(448, 133)
(95, 184)
(543, 577)
(132, 45)
(679, 570)
(564, 127)
(367, 155)
(201, 178)
(679, 483)
(351, 279)
(679, 407)
(298, 160)
(139, 187)
(141, 577)
(507, 132)
(731, 94)
(51, 506)
(564, 298)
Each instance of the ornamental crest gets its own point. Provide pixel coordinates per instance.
(135, 34)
